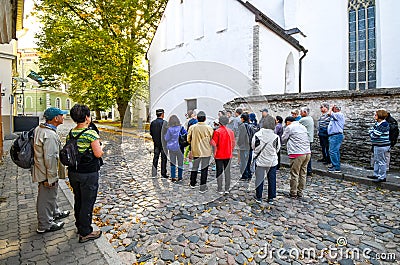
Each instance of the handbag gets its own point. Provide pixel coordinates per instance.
(253, 163)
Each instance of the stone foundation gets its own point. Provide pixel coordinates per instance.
(357, 106)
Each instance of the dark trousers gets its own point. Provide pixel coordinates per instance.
(204, 161)
(309, 168)
(279, 161)
(157, 152)
(324, 142)
(223, 166)
(84, 186)
(271, 178)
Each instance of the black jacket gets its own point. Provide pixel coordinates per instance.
(158, 128)
(394, 130)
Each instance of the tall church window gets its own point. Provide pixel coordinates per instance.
(362, 48)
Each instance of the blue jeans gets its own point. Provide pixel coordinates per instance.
(245, 163)
(271, 178)
(176, 159)
(324, 142)
(335, 141)
(380, 161)
(84, 186)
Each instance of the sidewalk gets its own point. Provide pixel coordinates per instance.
(19, 242)
(352, 173)
(349, 172)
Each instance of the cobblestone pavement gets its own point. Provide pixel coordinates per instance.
(19, 242)
(160, 222)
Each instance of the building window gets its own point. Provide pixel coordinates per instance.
(362, 48)
(58, 103)
(68, 104)
(191, 104)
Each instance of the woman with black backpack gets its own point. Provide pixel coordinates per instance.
(84, 177)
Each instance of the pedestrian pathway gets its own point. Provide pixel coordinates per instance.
(161, 222)
(19, 242)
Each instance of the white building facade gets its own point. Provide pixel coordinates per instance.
(207, 52)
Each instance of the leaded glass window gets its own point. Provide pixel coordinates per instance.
(362, 48)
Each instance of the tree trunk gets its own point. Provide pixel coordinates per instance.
(98, 115)
(124, 113)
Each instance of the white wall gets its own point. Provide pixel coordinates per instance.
(223, 57)
(273, 55)
(388, 43)
(326, 26)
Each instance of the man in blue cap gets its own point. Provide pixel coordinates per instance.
(47, 170)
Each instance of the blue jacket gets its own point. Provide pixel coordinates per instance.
(380, 134)
(172, 137)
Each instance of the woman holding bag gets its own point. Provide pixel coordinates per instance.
(266, 145)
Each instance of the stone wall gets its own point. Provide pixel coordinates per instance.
(357, 106)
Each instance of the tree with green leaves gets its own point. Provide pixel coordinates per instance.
(97, 47)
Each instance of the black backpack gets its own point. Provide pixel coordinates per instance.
(393, 130)
(69, 154)
(251, 130)
(21, 151)
(183, 142)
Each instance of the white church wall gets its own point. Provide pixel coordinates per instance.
(326, 26)
(228, 51)
(388, 43)
(272, 8)
(273, 56)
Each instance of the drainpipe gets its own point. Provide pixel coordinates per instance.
(300, 67)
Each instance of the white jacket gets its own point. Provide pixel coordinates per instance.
(296, 137)
(268, 156)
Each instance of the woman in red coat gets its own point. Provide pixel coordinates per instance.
(224, 141)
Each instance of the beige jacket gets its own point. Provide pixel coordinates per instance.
(199, 138)
(47, 145)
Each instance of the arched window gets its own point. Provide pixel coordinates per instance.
(58, 103)
(68, 103)
(289, 74)
(362, 45)
(28, 102)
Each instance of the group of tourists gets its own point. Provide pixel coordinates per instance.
(258, 145)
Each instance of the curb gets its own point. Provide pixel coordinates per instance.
(104, 246)
(352, 178)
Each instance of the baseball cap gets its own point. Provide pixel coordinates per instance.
(52, 112)
(265, 109)
(201, 114)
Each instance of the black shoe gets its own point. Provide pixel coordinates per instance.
(243, 179)
(379, 180)
(165, 176)
(372, 177)
(61, 215)
(52, 228)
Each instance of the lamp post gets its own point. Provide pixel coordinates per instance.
(23, 97)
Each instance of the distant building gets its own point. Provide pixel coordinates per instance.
(206, 52)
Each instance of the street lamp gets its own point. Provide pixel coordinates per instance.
(23, 97)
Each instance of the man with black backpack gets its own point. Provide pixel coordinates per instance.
(47, 171)
(245, 135)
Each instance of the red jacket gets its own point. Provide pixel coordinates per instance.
(224, 142)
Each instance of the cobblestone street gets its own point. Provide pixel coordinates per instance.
(159, 221)
(155, 221)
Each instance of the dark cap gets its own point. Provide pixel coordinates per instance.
(264, 109)
(290, 118)
(52, 112)
(159, 111)
(201, 114)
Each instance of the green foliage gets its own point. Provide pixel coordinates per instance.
(97, 47)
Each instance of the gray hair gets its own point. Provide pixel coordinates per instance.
(305, 109)
(325, 105)
(269, 123)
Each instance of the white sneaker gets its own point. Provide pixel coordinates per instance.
(227, 192)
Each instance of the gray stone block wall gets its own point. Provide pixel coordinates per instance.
(357, 106)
